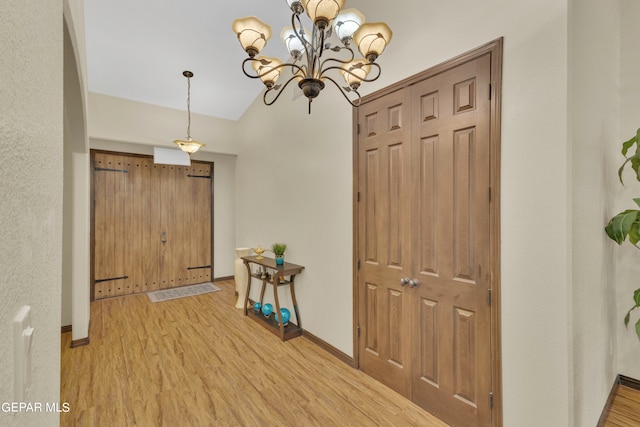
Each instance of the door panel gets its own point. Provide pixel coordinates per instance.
(110, 245)
(384, 229)
(456, 187)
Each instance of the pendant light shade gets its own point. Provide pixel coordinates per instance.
(356, 72)
(372, 38)
(268, 69)
(252, 34)
(322, 12)
(188, 145)
(346, 23)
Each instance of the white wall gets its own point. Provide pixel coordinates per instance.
(294, 184)
(594, 115)
(119, 119)
(31, 53)
(310, 159)
(626, 266)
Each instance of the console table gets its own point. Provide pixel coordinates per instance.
(280, 275)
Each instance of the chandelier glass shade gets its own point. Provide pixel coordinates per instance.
(188, 145)
(314, 61)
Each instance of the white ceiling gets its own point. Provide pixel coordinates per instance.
(138, 49)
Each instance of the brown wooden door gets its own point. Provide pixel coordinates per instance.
(451, 373)
(384, 227)
(424, 242)
(185, 223)
(152, 224)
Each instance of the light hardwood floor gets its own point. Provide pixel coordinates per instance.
(198, 361)
(625, 409)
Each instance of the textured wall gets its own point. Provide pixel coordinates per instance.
(31, 57)
(627, 267)
(594, 108)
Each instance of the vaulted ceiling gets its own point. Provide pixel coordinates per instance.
(138, 50)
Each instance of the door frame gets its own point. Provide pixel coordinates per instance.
(494, 49)
(92, 153)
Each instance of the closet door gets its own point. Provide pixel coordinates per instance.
(424, 241)
(384, 229)
(451, 370)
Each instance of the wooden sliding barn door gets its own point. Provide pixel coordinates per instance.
(424, 241)
(151, 224)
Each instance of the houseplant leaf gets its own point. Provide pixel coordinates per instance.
(620, 225)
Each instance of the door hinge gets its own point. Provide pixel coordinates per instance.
(358, 196)
(358, 262)
(358, 129)
(358, 331)
(491, 400)
(489, 296)
(489, 194)
(490, 91)
(110, 170)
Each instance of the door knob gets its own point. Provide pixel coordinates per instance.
(404, 281)
(413, 283)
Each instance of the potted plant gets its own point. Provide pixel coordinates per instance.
(627, 223)
(278, 250)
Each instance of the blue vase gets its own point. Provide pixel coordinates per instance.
(279, 260)
(286, 316)
(267, 309)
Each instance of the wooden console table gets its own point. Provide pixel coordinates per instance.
(280, 275)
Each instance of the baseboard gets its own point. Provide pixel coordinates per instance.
(329, 348)
(79, 343)
(629, 382)
(221, 279)
(323, 344)
(620, 380)
(66, 328)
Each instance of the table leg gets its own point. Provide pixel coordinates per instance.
(276, 280)
(293, 300)
(246, 297)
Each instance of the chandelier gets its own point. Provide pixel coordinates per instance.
(307, 47)
(188, 145)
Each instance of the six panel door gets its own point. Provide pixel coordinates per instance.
(423, 242)
(384, 227)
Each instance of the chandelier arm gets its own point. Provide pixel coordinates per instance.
(279, 91)
(354, 103)
(341, 61)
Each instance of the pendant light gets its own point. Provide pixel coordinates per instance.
(188, 145)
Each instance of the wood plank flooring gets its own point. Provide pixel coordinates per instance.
(625, 410)
(198, 361)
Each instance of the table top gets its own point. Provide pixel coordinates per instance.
(286, 269)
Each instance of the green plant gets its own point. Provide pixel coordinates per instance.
(279, 248)
(627, 223)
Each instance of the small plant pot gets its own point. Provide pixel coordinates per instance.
(279, 259)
